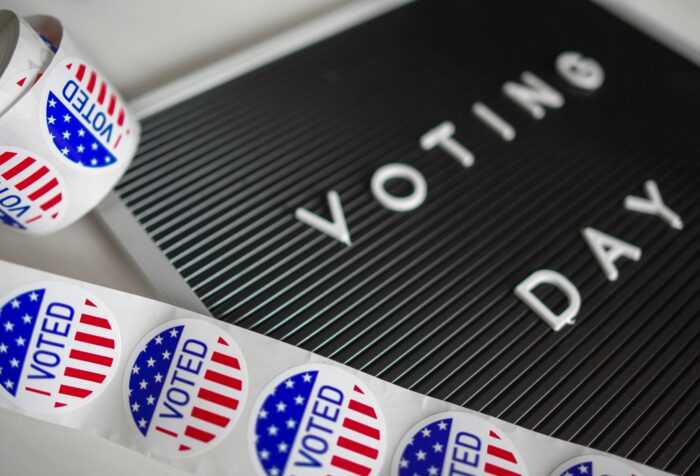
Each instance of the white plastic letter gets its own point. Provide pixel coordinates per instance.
(533, 94)
(608, 249)
(399, 171)
(584, 73)
(494, 121)
(654, 205)
(442, 136)
(336, 229)
(559, 281)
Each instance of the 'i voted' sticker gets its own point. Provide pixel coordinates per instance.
(456, 443)
(594, 465)
(82, 117)
(185, 387)
(59, 347)
(32, 195)
(317, 419)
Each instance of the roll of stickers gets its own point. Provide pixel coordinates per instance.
(208, 397)
(23, 57)
(66, 136)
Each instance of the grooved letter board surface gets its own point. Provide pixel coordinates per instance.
(425, 298)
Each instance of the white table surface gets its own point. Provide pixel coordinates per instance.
(139, 45)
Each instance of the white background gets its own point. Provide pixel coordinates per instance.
(139, 45)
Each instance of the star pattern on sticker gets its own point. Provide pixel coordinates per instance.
(148, 375)
(424, 454)
(81, 139)
(16, 330)
(279, 420)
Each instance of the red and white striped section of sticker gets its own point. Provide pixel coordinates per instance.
(500, 457)
(91, 356)
(452, 443)
(59, 347)
(32, 193)
(185, 388)
(360, 436)
(317, 419)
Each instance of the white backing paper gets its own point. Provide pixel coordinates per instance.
(266, 358)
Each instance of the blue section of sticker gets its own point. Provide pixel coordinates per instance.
(72, 139)
(148, 376)
(7, 219)
(426, 450)
(582, 469)
(279, 420)
(17, 319)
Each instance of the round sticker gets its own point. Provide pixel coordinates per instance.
(59, 347)
(317, 419)
(185, 387)
(594, 465)
(452, 443)
(82, 117)
(32, 193)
